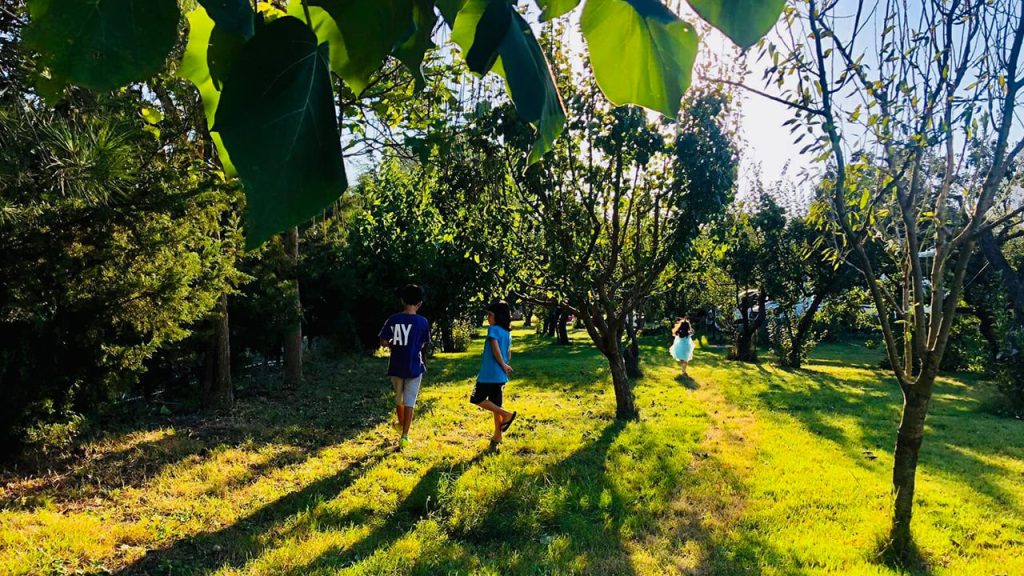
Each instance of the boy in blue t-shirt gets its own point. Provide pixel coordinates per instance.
(406, 334)
(494, 369)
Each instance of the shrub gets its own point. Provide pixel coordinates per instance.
(462, 336)
(1010, 376)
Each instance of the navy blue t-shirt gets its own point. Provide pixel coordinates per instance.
(408, 335)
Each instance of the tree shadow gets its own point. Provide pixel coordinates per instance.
(323, 411)
(872, 404)
(232, 545)
(416, 506)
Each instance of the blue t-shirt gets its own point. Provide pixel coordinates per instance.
(490, 369)
(408, 335)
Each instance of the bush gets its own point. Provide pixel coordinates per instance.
(1010, 377)
(781, 336)
(966, 349)
(462, 336)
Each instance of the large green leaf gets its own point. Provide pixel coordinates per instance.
(743, 21)
(326, 31)
(370, 31)
(641, 52)
(231, 16)
(277, 118)
(102, 44)
(531, 85)
(466, 23)
(491, 29)
(195, 68)
(550, 9)
(414, 49)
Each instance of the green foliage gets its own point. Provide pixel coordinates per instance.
(642, 53)
(370, 30)
(232, 16)
(1010, 376)
(290, 162)
(551, 9)
(102, 44)
(115, 249)
(743, 21)
(195, 68)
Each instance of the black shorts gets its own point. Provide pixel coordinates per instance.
(486, 391)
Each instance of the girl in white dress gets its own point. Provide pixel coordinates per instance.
(682, 346)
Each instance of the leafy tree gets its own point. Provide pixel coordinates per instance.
(265, 77)
(614, 205)
(115, 248)
(753, 255)
(937, 77)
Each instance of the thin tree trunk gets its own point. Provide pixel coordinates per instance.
(550, 320)
(293, 333)
(904, 470)
(743, 345)
(987, 327)
(527, 316)
(803, 327)
(625, 407)
(218, 393)
(631, 352)
(447, 338)
(1011, 280)
(562, 326)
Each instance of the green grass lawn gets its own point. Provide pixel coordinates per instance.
(745, 469)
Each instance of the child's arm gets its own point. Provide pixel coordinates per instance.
(496, 350)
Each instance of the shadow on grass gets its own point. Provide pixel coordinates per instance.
(508, 534)
(872, 404)
(234, 544)
(416, 506)
(337, 400)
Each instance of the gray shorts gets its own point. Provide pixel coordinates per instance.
(406, 390)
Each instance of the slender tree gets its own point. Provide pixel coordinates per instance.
(893, 95)
(614, 205)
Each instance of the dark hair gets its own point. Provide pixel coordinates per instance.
(682, 327)
(411, 294)
(502, 314)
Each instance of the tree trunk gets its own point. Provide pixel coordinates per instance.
(743, 345)
(625, 407)
(803, 327)
(218, 394)
(527, 316)
(1011, 281)
(904, 470)
(293, 333)
(631, 352)
(987, 327)
(447, 338)
(562, 326)
(550, 320)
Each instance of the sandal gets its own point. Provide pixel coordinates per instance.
(505, 425)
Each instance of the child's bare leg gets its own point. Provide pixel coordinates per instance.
(407, 420)
(682, 364)
(400, 414)
(498, 421)
(498, 410)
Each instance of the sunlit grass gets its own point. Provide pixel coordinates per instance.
(745, 469)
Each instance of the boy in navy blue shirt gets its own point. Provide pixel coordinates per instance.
(406, 334)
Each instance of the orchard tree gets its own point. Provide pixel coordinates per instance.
(752, 255)
(265, 76)
(614, 205)
(910, 89)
